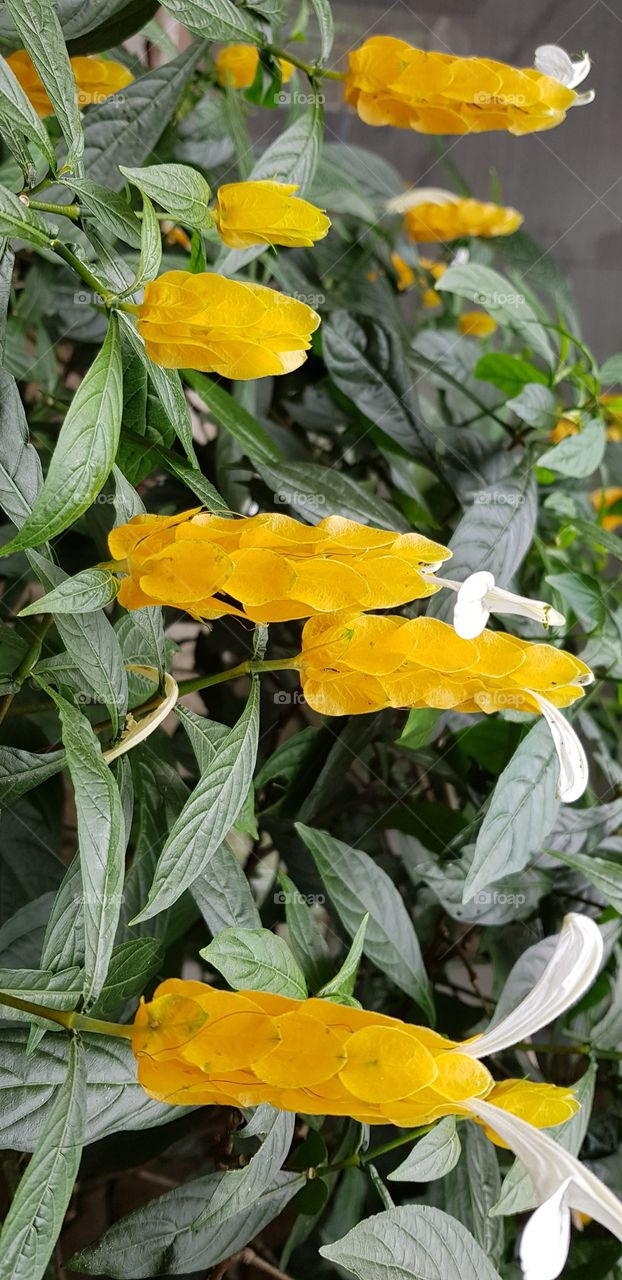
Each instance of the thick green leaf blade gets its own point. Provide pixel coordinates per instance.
(41, 35)
(314, 491)
(605, 875)
(87, 591)
(17, 220)
(499, 296)
(412, 1242)
(209, 814)
(224, 895)
(107, 208)
(356, 887)
(257, 960)
(150, 248)
(577, 456)
(181, 191)
(22, 770)
(432, 1157)
(85, 450)
(168, 388)
(215, 20)
(18, 113)
(326, 25)
(521, 814)
(35, 1217)
(237, 420)
(241, 1188)
(306, 939)
(344, 980)
(365, 366)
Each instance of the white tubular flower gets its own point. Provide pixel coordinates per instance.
(571, 970)
(555, 62)
(573, 766)
(137, 730)
(420, 195)
(478, 597)
(561, 1183)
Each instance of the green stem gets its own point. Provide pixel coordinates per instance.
(311, 70)
(66, 210)
(83, 271)
(359, 1161)
(67, 1018)
(244, 669)
(30, 659)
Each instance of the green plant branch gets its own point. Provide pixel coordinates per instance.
(30, 659)
(65, 210)
(83, 271)
(310, 69)
(244, 669)
(67, 1018)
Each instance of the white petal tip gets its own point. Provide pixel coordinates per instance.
(420, 195)
(553, 61)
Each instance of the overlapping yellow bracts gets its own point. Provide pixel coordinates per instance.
(249, 213)
(368, 662)
(236, 65)
(390, 82)
(234, 328)
(196, 1045)
(476, 324)
(602, 500)
(435, 221)
(269, 568)
(96, 79)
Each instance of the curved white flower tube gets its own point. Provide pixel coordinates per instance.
(573, 766)
(553, 61)
(571, 970)
(137, 731)
(478, 597)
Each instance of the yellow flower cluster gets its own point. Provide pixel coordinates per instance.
(236, 65)
(269, 568)
(230, 327)
(363, 664)
(196, 1046)
(390, 82)
(602, 500)
(249, 213)
(443, 220)
(96, 79)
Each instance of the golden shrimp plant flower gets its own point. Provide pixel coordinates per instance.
(196, 1045)
(263, 212)
(432, 215)
(390, 82)
(234, 328)
(270, 568)
(96, 79)
(236, 65)
(361, 664)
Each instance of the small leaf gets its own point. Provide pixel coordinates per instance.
(509, 373)
(305, 937)
(344, 981)
(131, 966)
(605, 875)
(181, 191)
(313, 491)
(324, 17)
(17, 112)
(241, 424)
(87, 591)
(577, 456)
(432, 1157)
(243, 1187)
(411, 1242)
(215, 20)
(17, 220)
(85, 450)
(150, 249)
(499, 297)
(107, 208)
(256, 960)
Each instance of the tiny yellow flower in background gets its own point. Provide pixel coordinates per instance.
(390, 82)
(275, 567)
(432, 216)
(249, 213)
(234, 328)
(176, 235)
(236, 65)
(611, 406)
(602, 500)
(404, 272)
(96, 79)
(476, 324)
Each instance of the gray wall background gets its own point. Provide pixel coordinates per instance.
(566, 181)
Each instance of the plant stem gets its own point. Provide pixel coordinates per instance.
(66, 210)
(244, 669)
(67, 1018)
(310, 70)
(83, 271)
(30, 659)
(359, 1161)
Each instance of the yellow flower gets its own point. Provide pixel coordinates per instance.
(176, 235)
(612, 409)
(476, 324)
(249, 213)
(405, 274)
(236, 65)
(390, 82)
(274, 568)
(96, 79)
(234, 328)
(602, 500)
(451, 218)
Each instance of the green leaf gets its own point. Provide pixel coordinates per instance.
(224, 897)
(115, 1100)
(162, 1237)
(578, 455)
(432, 1157)
(344, 981)
(605, 875)
(35, 1217)
(256, 960)
(521, 814)
(536, 405)
(419, 728)
(87, 591)
(411, 1242)
(306, 939)
(168, 388)
(610, 542)
(17, 220)
(113, 137)
(472, 1188)
(293, 156)
(107, 208)
(181, 191)
(494, 534)
(131, 966)
(501, 299)
(583, 594)
(357, 886)
(367, 366)
(215, 20)
(237, 420)
(91, 30)
(20, 468)
(324, 17)
(241, 1188)
(54, 990)
(150, 248)
(509, 373)
(41, 35)
(610, 372)
(209, 814)
(315, 491)
(17, 113)
(85, 450)
(20, 771)
(101, 837)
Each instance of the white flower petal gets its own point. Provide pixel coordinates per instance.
(420, 195)
(546, 1239)
(141, 729)
(549, 1166)
(555, 62)
(573, 767)
(478, 597)
(571, 970)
